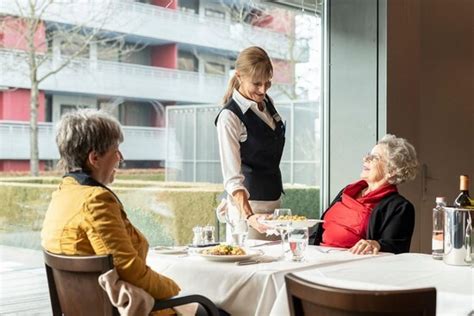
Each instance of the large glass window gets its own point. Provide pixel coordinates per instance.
(165, 84)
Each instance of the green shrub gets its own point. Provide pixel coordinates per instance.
(165, 212)
(302, 201)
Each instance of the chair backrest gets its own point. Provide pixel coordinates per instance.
(73, 284)
(308, 298)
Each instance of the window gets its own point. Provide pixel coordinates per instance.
(214, 68)
(107, 51)
(187, 61)
(168, 112)
(189, 6)
(67, 108)
(70, 44)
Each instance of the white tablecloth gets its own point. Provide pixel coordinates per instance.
(454, 284)
(241, 290)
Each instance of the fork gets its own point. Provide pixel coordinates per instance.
(329, 250)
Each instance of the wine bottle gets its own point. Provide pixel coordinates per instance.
(463, 199)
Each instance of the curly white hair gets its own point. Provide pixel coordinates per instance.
(402, 162)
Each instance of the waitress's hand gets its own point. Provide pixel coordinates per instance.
(254, 221)
(365, 247)
(241, 201)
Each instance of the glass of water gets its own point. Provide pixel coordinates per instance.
(240, 230)
(298, 240)
(279, 214)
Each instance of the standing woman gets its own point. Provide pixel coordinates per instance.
(251, 138)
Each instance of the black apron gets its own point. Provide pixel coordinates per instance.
(261, 152)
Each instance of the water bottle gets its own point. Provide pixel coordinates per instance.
(438, 229)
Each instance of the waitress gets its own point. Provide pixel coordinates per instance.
(251, 138)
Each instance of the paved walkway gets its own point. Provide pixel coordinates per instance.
(23, 284)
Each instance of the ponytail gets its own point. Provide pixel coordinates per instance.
(252, 62)
(233, 84)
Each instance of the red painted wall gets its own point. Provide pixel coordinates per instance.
(15, 105)
(165, 56)
(170, 4)
(278, 20)
(12, 35)
(19, 165)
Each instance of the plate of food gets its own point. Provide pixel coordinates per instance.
(228, 253)
(295, 221)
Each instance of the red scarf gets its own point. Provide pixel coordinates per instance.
(345, 223)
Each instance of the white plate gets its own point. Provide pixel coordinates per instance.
(171, 250)
(249, 253)
(294, 224)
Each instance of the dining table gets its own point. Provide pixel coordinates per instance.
(454, 284)
(250, 289)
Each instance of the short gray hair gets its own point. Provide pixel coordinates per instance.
(83, 131)
(402, 163)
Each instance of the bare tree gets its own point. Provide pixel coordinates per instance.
(50, 38)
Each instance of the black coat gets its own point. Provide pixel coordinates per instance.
(391, 223)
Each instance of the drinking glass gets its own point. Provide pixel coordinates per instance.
(283, 228)
(221, 211)
(298, 240)
(239, 230)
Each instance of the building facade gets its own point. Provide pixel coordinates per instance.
(171, 52)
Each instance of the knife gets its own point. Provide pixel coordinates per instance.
(273, 242)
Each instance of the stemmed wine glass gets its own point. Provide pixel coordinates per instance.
(282, 228)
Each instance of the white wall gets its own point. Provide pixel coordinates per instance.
(410, 76)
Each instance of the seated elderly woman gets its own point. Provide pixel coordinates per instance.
(370, 215)
(85, 217)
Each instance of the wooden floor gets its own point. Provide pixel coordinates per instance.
(23, 285)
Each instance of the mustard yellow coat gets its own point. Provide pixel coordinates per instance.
(85, 218)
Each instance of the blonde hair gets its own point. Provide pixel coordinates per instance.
(252, 62)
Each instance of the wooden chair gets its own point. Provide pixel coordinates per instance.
(307, 298)
(74, 288)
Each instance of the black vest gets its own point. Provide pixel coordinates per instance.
(261, 152)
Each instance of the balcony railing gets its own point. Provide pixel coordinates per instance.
(108, 78)
(148, 23)
(141, 143)
(116, 79)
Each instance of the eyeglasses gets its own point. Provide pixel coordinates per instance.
(372, 157)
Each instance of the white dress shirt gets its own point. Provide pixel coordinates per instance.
(231, 132)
